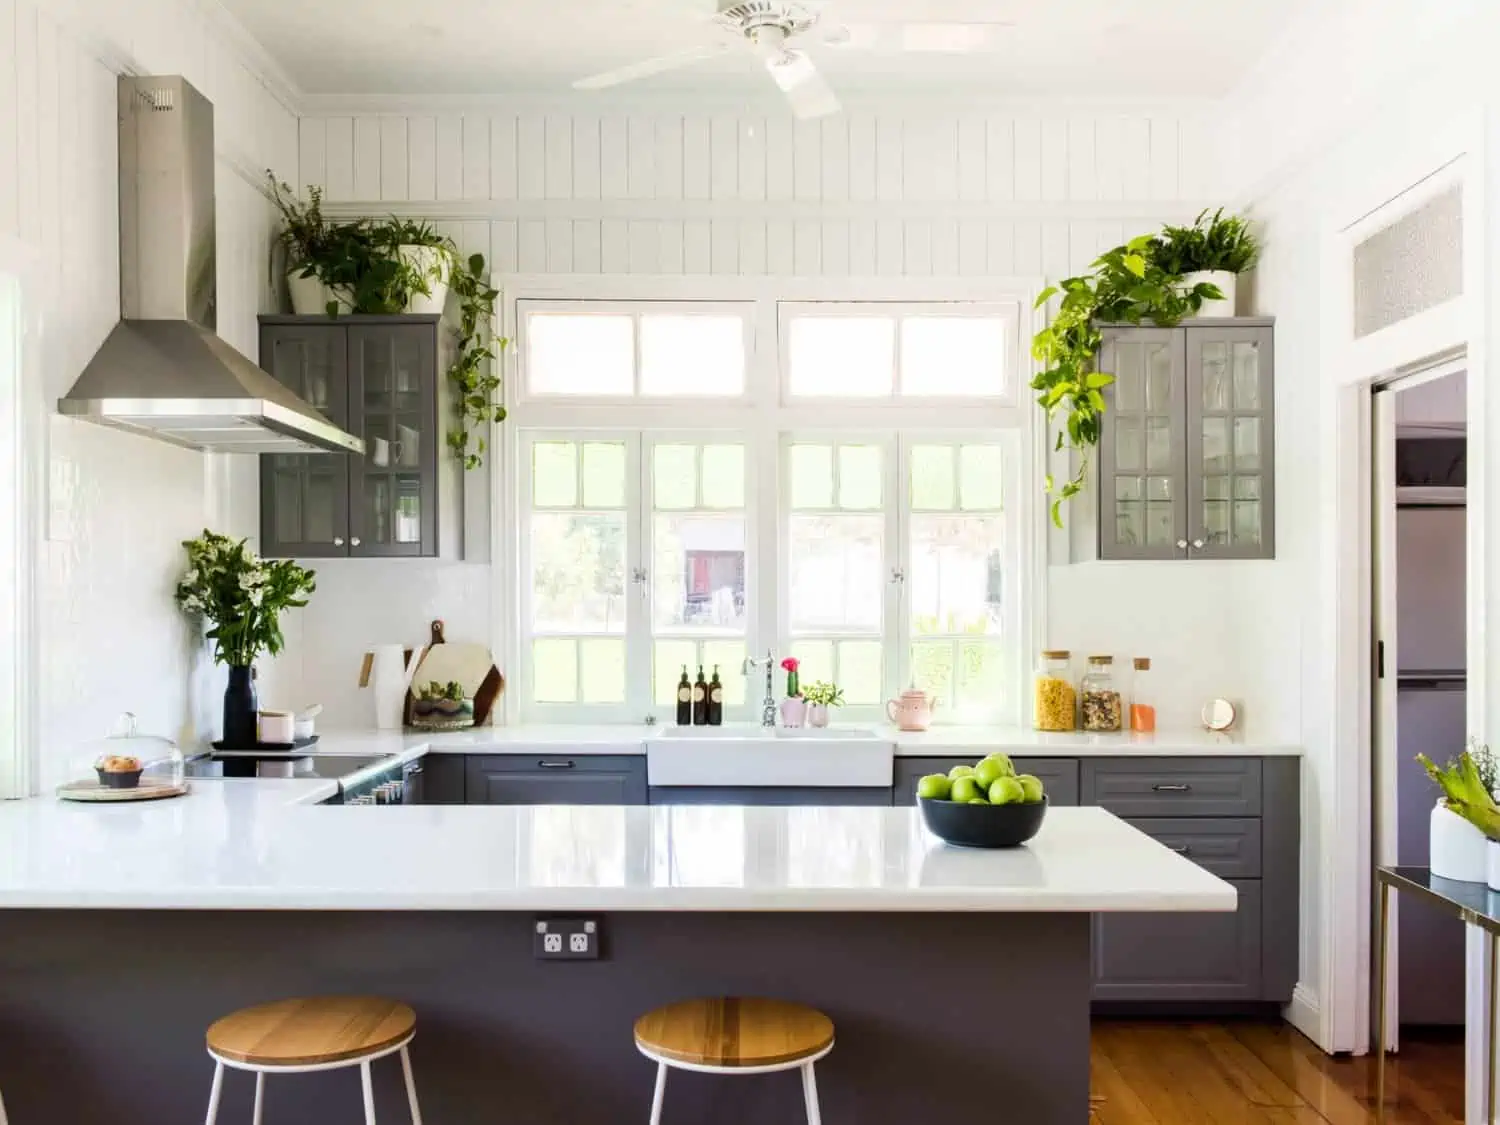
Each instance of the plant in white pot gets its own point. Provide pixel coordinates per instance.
(304, 239)
(1467, 847)
(819, 696)
(1214, 251)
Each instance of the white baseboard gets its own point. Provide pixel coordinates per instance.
(1305, 1015)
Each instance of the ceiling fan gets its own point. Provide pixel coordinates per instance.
(778, 32)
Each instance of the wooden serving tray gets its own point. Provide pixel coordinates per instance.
(92, 791)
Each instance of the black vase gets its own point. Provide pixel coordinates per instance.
(240, 708)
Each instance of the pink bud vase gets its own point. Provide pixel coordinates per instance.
(817, 714)
(793, 712)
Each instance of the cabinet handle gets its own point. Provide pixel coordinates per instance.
(546, 765)
(1172, 788)
(338, 540)
(1181, 849)
(415, 768)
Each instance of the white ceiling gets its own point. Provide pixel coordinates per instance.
(1054, 48)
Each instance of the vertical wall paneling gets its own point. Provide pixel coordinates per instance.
(586, 180)
(473, 237)
(751, 135)
(450, 157)
(340, 159)
(614, 158)
(780, 177)
(697, 248)
(1000, 159)
(558, 174)
(780, 248)
(1001, 248)
(1054, 158)
(505, 246)
(421, 158)
(641, 146)
(532, 257)
(670, 248)
(945, 256)
(505, 181)
(696, 158)
(586, 246)
(366, 158)
(1028, 249)
(726, 247)
(394, 178)
(888, 157)
(724, 158)
(531, 158)
(10, 205)
(312, 145)
(807, 254)
(1109, 159)
(1057, 260)
(890, 248)
(835, 145)
(835, 248)
(1082, 176)
(862, 160)
(559, 234)
(862, 247)
(28, 139)
(670, 177)
(1137, 148)
(477, 156)
(752, 247)
(972, 156)
(1164, 159)
(1027, 158)
(45, 171)
(614, 246)
(973, 248)
(918, 254)
(807, 160)
(646, 252)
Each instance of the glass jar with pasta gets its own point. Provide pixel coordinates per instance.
(1056, 706)
(1103, 709)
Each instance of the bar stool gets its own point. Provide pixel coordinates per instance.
(311, 1034)
(735, 1035)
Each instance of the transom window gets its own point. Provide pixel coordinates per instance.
(690, 493)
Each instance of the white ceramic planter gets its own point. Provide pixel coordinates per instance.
(433, 263)
(310, 296)
(1492, 851)
(1226, 282)
(793, 712)
(817, 714)
(1457, 849)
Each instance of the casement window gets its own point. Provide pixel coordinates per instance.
(690, 492)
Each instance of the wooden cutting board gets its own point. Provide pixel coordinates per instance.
(470, 665)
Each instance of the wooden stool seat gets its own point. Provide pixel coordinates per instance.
(729, 1032)
(311, 1031)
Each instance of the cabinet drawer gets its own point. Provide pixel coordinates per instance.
(1227, 846)
(555, 779)
(1181, 957)
(1173, 787)
(1059, 776)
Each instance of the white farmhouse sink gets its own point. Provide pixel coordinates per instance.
(754, 757)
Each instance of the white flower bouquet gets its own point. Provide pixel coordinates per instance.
(241, 596)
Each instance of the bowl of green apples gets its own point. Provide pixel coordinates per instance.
(986, 805)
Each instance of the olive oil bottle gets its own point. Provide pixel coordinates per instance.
(700, 700)
(684, 700)
(715, 700)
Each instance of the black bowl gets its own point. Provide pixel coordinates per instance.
(983, 826)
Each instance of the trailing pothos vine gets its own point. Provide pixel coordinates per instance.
(476, 370)
(1126, 285)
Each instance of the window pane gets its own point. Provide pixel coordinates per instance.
(601, 671)
(692, 355)
(952, 355)
(723, 476)
(816, 663)
(841, 356)
(837, 575)
(554, 671)
(860, 671)
(699, 572)
(932, 668)
(811, 472)
(859, 477)
(578, 573)
(729, 656)
(667, 660)
(580, 354)
(981, 472)
(674, 476)
(956, 580)
(554, 474)
(932, 478)
(981, 677)
(603, 474)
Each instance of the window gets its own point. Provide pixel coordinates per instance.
(687, 495)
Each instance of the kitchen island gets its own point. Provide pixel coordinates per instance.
(958, 981)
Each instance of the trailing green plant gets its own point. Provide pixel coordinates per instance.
(1214, 242)
(1126, 285)
(475, 372)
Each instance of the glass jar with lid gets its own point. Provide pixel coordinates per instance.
(128, 759)
(1142, 698)
(1102, 707)
(1056, 706)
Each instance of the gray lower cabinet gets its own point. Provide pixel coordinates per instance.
(768, 795)
(1059, 776)
(377, 377)
(555, 779)
(1188, 442)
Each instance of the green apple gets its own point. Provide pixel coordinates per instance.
(960, 771)
(987, 772)
(978, 801)
(1002, 762)
(935, 787)
(1031, 787)
(964, 790)
(1007, 791)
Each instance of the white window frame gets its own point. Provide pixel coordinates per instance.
(762, 420)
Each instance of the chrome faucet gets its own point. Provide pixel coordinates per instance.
(768, 711)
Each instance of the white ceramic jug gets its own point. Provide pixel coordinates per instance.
(389, 679)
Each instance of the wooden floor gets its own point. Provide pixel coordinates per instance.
(1245, 1073)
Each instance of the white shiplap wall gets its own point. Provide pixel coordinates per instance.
(1000, 194)
(118, 505)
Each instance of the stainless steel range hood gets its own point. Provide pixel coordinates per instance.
(163, 371)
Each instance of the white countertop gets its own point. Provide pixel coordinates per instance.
(260, 845)
(940, 742)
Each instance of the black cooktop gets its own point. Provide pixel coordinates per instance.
(233, 764)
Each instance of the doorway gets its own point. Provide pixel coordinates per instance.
(1419, 585)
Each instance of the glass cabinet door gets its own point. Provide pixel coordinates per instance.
(393, 407)
(1142, 457)
(1230, 442)
(304, 496)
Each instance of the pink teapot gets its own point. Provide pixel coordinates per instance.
(913, 711)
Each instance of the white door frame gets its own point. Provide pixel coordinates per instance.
(23, 461)
(1454, 153)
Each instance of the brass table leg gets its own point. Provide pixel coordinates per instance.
(1382, 939)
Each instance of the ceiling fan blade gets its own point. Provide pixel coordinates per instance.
(907, 37)
(804, 87)
(648, 67)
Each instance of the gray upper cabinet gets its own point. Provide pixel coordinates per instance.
(377, 377)
(1186, 454)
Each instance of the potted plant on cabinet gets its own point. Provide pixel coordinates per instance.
(793, 707)
(1465, 826)
(1214, 251)
(241, 597)
(819, 696)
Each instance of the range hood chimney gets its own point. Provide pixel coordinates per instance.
(163, 371)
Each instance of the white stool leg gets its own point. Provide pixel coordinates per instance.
(810, 1094)
(213, 1094)
(661, 1091)
(364, 1080)
(411, 1089)
(260, 1095)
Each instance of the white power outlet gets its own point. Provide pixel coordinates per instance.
(552, 943)
(578, 943)
(582, 939)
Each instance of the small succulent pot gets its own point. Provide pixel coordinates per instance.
(793, 712)
(817, 715)
(120, 779)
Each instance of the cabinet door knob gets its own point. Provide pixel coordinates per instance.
(354, 542)
(338, 541)
(1197, 544)
(1182, 544)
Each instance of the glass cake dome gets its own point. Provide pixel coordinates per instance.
(129, 759)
